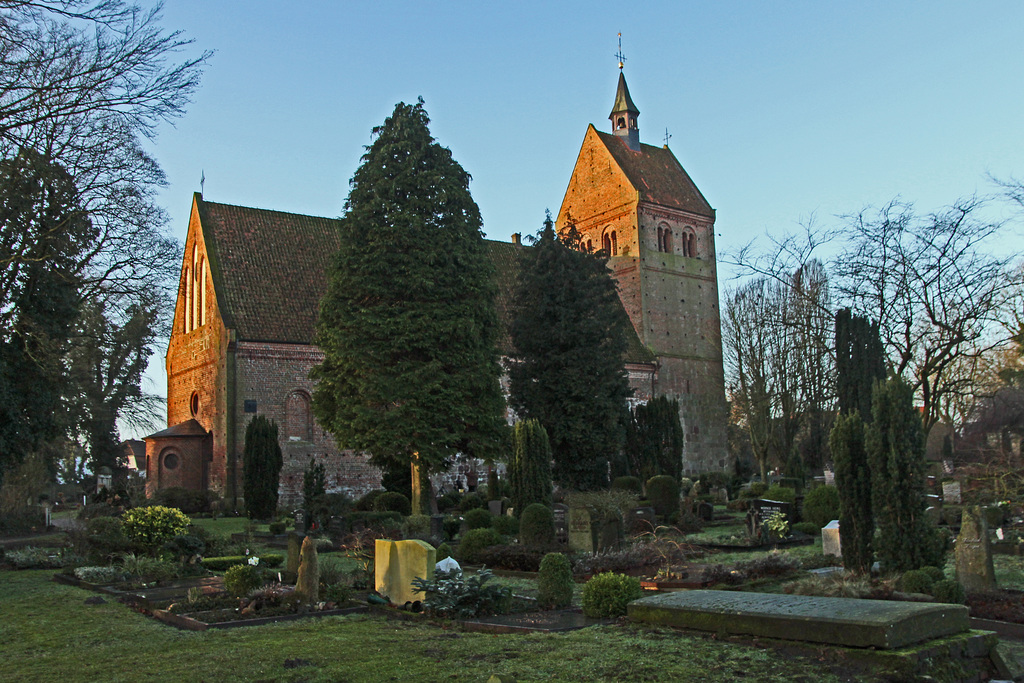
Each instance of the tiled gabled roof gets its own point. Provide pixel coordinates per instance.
(657, 175)
(270, 271)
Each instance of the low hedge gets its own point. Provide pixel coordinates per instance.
(219, 564)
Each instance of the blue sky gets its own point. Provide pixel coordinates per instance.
(777, 110)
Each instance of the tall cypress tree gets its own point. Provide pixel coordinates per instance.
(853, 481)
(262, 461)
(530, 465)
(860, 360)
(569, 339)
(408, 323)
(654, 439)
(895, 446)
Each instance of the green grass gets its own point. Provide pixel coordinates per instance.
(223, 527)
(48, 634)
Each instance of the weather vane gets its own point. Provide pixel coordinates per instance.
(202, 182)
(621, 57)
(667, 136)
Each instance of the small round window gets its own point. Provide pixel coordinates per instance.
(171, 461)
(193, 403)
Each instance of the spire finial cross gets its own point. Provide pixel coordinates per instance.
(202, 182)
(667, 136)
(618, 55)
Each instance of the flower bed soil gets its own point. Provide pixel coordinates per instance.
(999, 605)
(232, 618)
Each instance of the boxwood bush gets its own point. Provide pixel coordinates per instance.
(606, 595)
(821, 505)
(152, 526)
(555, 584)
(473, 543)
(477, 518)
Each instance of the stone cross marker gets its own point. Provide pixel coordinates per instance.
(974, 552)
(581, 533)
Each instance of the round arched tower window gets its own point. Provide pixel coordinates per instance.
(193, 403)
(171, 461)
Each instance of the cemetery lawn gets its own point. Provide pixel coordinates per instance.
(47, 633)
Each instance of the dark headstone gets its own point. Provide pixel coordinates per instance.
(437, 527)
(705, 511)
(495, 507)
(610, 536)
(642, 520)
(561, 515)
(300, 521)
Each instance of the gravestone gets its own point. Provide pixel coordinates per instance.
(830, 476)
(494, 506)
(642, 520)
(830, 542)
(951, 492)
(762, 509)
(974, 552)
(610, 536)
(847, 622)
(705, 511)
(397, 563)
(300, 521)
(581, 530)
(437, 528)
(560, 512)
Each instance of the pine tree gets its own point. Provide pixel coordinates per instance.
(408, 323)
(853, 482)
(569, 339)
(895, 447)
(314, 488)
(529, 468)
(262, 463)
(860, 360)
(654, 439)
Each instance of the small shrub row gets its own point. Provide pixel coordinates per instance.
(606, 595)
(218, 564)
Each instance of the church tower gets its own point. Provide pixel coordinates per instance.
(637, 203)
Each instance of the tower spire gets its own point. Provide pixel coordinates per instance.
(624, 113)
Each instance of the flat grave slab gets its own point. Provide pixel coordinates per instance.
(846, 622)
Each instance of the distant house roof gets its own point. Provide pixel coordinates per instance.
(135, 452)
(657, 175)
(270, 269)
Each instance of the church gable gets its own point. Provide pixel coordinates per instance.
(598, 191)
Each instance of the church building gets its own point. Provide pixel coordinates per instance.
(252, 279)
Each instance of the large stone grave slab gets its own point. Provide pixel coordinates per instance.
(845, 622)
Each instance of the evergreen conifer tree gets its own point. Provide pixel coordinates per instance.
(895, 447)
(314, 489)
(853, 482)
(654, 439)
(529, 468)
(569, 339)
(262, 461)
(860, 360)
(408, 323)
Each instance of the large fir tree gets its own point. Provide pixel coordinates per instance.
(408, 323)
(894, 443)
(569, 339)
(654, 439)
(860, 360)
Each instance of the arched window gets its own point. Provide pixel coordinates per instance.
(615, 244)
(661, 238)
(188, 301)
(590, 246)
(667, 241)
(201, 284)
(298, 425)
(621, 123)
(606, 244)
(692, 248)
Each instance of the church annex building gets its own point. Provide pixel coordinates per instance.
(252, 279)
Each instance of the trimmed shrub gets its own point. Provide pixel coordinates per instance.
(242, 579)
(451, 525)
(219, 564)
(783, 494)
(821, 505)
(185, 547)
(537, 526)
(151, 527)
(393, 501)
(477, 518)
(629, 484)
(950, 591)
(936, 573)
(448, 501)
(277, 528)
(473, 542)
(185, 500)
(663, 492)
(554, 583)
(916, 581)
(472, 501)
(512, 557)
(103, 538)
(505, 525)
(444, 550)
(606, 595)
(416, 526)
(529, 467)
(365, 502)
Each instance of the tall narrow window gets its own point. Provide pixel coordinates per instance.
(201, 283)
(606, 244)
(297, 417)
(615, 244)
(667, 243)
(187, 313)
(661, 238)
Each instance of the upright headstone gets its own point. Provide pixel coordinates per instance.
(300, 522)
(494, 506)
(951, 492)
(397, 563)
(610, 536)
(830, 541)
(642, 520)
(830, 476)
(581, 531)
(705, 511)
(437, 528)
(560, 512)
(974, 552)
